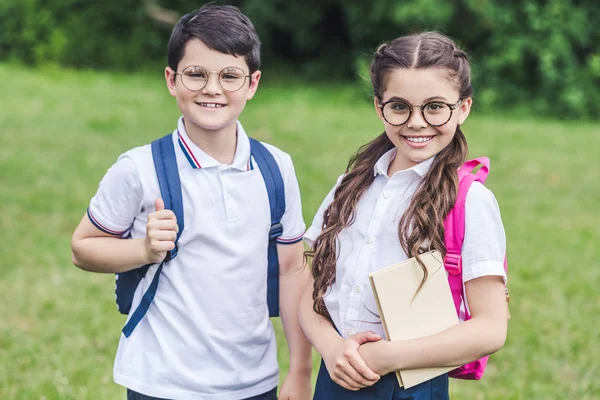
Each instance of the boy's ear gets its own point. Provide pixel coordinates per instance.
(170, 77)
(464, 110)
(254, 79)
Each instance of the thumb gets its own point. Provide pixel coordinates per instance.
(367, 336)
(159, 204)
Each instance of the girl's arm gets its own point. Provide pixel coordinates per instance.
(344, 364)
(483, 334)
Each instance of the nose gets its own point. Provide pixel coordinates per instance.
(416, 120)
(212, 87)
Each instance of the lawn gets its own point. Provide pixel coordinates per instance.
(61, 130)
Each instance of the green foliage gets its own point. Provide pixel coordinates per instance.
(80, 33)
(542, 55)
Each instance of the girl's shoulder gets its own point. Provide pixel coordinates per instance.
(480, 197)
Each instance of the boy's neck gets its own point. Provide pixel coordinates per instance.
(219, 144)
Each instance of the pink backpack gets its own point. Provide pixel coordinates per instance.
(455, 233)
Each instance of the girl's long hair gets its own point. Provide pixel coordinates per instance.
(422, 225)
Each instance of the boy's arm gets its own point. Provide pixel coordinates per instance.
(97, 251)
(293, 276)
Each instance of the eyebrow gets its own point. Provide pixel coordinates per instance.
(206, 69)
(427, 100)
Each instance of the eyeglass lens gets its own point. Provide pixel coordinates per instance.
(230, 78)
(434, 113)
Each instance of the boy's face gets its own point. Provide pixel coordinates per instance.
(211, 108)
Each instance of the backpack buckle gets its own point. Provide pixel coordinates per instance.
(276, 231)
(453, 263)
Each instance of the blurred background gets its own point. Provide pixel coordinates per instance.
(82, 82)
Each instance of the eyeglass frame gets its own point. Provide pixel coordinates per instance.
(208, 77)
(451, 106)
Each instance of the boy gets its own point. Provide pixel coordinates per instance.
(206, 334)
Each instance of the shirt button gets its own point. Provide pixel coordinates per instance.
(350, 332)
(370, 239)
(386, 194)
(357, 288)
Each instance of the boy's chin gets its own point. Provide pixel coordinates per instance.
(210, 125)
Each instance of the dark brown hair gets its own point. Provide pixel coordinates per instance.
(422, 225)
(221, 28)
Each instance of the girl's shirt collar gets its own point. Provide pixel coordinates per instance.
(382, 165)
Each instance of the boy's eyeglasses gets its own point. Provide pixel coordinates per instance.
(435, 113)
(230, 79)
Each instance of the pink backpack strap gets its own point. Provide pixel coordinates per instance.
(454, 226)
(470, 165)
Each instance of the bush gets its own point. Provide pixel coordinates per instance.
(542, 54)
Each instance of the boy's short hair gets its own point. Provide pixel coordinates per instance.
(221, 28)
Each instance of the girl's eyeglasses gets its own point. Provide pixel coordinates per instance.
(435, 113)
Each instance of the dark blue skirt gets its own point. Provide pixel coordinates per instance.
(386, 389)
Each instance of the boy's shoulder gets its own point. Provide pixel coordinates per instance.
(141, 156)
(283, 159)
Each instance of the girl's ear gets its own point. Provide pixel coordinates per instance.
(377, 109)
(464, 110)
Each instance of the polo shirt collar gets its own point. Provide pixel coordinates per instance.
(382, 165)
(197, 158)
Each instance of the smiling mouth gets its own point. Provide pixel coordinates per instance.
(211, 105)
(418, 139)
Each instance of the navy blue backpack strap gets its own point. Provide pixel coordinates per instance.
(165, 163)
(275, 189)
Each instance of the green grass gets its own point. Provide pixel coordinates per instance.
(61, 130)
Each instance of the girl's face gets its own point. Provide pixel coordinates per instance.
(416, 139)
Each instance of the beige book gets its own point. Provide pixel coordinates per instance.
(406, 316)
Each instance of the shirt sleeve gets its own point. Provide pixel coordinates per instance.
(484, 246)
(292, 220)
(317, 224)
(118, 199)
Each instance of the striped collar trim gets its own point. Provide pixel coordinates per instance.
(187, 151)
(242, 161)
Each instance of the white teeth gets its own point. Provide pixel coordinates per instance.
(211, 105)
(419, 139)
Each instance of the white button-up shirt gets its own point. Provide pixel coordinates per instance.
(371, 242)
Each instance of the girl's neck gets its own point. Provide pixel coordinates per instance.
(399, 163)
(219, 144)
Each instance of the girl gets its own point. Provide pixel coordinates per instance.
(389, 206)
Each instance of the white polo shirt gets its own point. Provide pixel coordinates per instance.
(207, 334)
(371, 242)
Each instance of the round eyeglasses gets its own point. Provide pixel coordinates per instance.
(230, 79)
(435, 113)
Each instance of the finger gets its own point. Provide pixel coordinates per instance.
(162, 225)
(356, 377)
(162, 246)
(366, 336)
(342, 379)
(163, 236)
(345, 371)
(361, 367)
(163, 214)
(159, 204)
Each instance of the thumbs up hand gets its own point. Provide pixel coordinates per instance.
(161, 232)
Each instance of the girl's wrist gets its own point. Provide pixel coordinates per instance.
(397, 355)
(327, 346)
